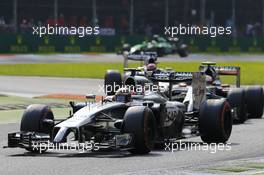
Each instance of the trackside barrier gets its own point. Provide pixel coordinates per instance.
(27, 43)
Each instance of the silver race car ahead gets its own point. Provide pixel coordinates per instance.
(134, 122)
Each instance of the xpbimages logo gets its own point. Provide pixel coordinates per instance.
(49, 146)
(212, 31)
(196, 146)
(137, 89)
(61, 30)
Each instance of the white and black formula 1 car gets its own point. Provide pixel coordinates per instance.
(128, 121)
(248, 101)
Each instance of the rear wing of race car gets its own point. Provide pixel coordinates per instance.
(172, 77)
(229, 70)
(226, 70)
(145, 57)
(198, 84)
(197, 80)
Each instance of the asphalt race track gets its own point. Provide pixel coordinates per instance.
(246, 142)
(37, 86)
(71, 58)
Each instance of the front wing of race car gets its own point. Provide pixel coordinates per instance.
(40, 141)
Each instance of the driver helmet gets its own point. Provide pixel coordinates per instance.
(123, 95)
(209, 79)
(151, 67)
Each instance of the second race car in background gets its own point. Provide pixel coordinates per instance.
(248, 101)
(245, 102)
(160, 45)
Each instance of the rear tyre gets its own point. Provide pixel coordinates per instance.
(32, 121)
(140, 122)
(215, 121)
(255, 101)
(160, 52)
(112, 82)
(182, 51)
(237, 99)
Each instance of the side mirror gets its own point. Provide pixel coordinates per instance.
(71, 103)
(90, 97)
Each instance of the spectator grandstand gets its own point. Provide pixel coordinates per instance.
(132, 16)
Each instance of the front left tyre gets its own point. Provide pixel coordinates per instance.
(37, 118)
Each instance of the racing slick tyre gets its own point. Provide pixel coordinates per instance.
(237, 99)
(182, 51)
(160, 52)
(255, 101)
(33, 121)
(140, 122)
(215, 121)
(112, 82)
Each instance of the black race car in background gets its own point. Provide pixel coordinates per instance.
(134, 122)
(248, 101)
(245, 102)
(160, 45)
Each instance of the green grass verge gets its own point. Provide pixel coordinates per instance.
(251, 72)
(14, 116)
(233, 169)
(259, 174)
(22, 100)
(255, 165)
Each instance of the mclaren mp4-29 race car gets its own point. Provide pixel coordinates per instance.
(129, 120)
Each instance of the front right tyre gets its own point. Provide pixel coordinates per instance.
(139, 121)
